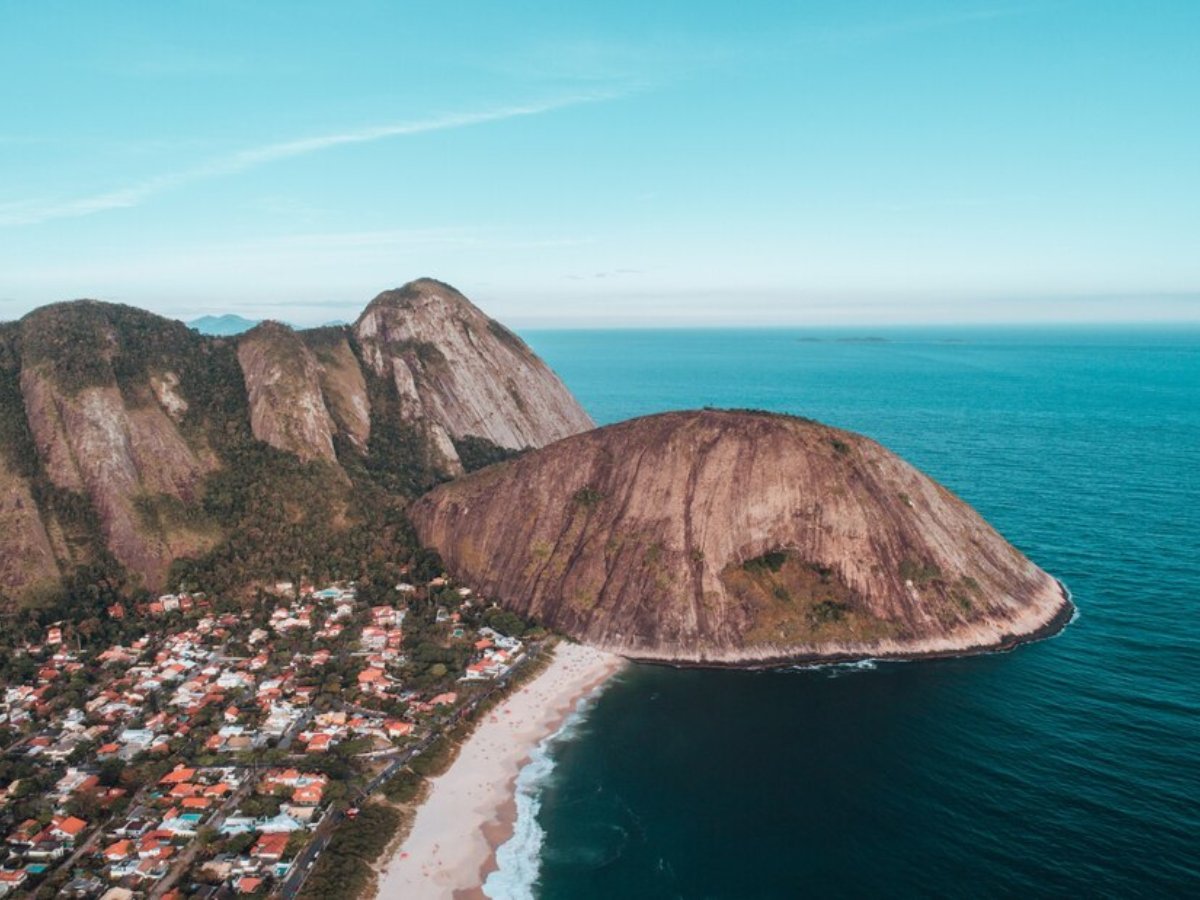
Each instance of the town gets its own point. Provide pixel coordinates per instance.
(218, 752)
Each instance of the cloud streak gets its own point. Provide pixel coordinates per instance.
(32, 212)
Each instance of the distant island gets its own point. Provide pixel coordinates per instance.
(225, 325)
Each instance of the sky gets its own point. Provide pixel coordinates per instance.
(614, 164)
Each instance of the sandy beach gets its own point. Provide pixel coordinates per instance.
(470, 808)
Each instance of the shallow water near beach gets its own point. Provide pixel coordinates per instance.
(1068, 766)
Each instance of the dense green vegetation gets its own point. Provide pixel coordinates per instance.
(275, 517)
(16, 442)
(771, 561)
(344, 869)
(588, 497)
(476, 452)
(88, 343)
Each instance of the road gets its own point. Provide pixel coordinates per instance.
(184, 861)
(303, 864)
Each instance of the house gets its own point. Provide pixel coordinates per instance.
(281, 778)
(119, 851)
(68, 828)
(83, 886)
(133, 827)
(237, 825)
(11, 880)
(277, 824)
(44, 849)
(24, 833)
(249, 884)
(372, 677)
(270, 847)
(396, 728)
(308, 795)
(179, 775)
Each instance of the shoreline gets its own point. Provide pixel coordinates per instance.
(500, 829)
(470, 809)
(1064, 614)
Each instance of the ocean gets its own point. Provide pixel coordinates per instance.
(1066, 767)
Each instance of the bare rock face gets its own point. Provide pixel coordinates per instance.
(344, 387)
(460, 374)
(112, 421)
(734, 538)
(118, 457)
(283, 378)
(28, 559)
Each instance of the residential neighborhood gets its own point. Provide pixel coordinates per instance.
(217, 750)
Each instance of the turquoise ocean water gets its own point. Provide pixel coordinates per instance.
(1066, 768)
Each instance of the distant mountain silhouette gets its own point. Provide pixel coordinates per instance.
(222, 326)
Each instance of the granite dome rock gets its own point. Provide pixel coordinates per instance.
(731, 537)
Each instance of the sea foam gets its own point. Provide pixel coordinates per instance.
(519, 859)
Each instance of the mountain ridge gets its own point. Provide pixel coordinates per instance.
(123, 429)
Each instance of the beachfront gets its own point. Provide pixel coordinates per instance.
(470, 808)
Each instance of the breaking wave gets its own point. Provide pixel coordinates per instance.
(838, 669)
(519, 859)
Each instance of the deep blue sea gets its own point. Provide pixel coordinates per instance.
(1065, 768)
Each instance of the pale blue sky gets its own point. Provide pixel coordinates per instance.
(631, 163)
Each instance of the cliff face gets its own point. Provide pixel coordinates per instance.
(736, 537)
(28, 561)
(105, 434)
(114, 421)
(460, 374)
(283, 379)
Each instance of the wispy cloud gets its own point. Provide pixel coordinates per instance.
(30, 212)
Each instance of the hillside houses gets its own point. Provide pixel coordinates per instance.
(220, 725)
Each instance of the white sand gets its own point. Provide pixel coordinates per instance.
(448, 848)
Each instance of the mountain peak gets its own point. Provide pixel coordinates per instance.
(138, 417)
(419, 292)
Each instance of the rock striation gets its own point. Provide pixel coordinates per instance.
(722, 537)
(115, 421)
(461, 374)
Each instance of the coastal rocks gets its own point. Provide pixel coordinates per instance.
(737, 537)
